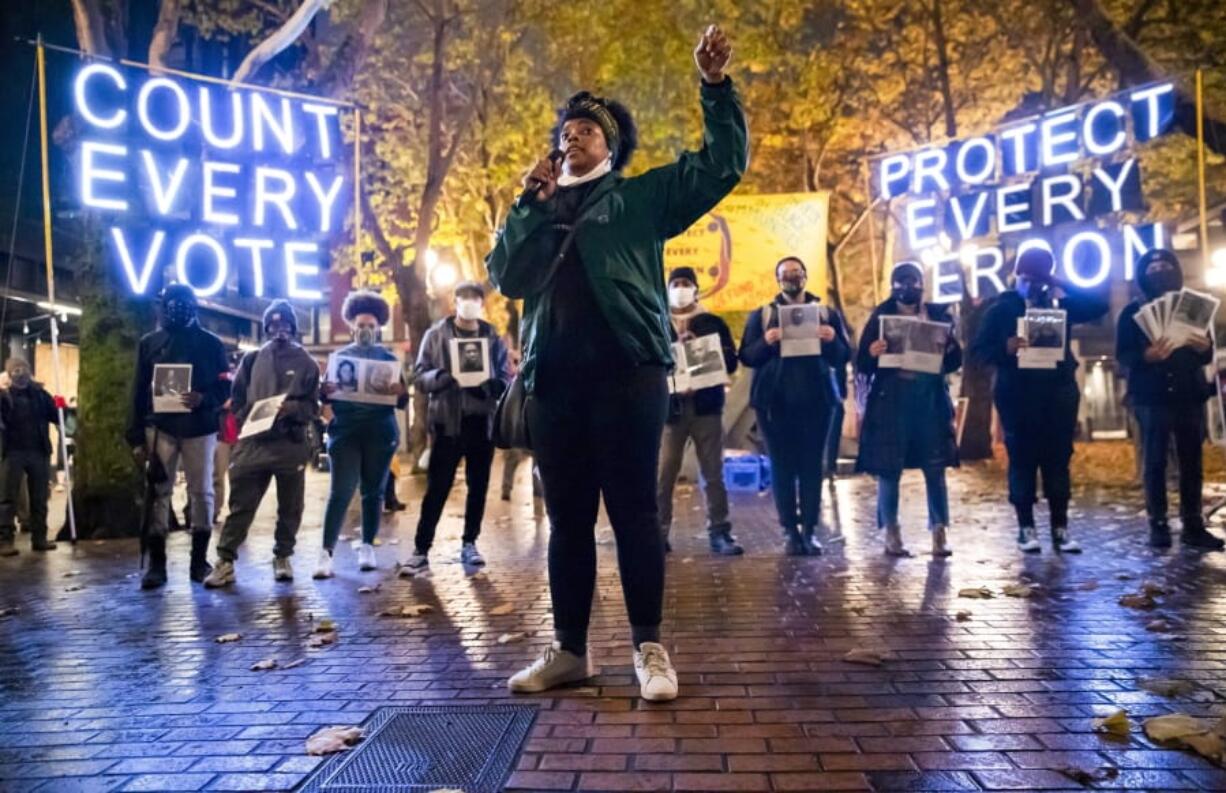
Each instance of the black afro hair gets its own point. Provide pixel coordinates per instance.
(628, 133)
(366, 302)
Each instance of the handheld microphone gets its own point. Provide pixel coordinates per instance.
(534, 186)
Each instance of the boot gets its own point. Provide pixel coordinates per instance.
(809, 540)
(200, 567)
(940, 542)
(723, 544)
(1159, 534)
(893, 542)
(39, 542)
(795, 544)
(1195, 535)
(155, 574)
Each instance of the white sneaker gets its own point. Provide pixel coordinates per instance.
(556, 667)
(324, 568)
(366, 557)
(1028, 540)
(222, 575)
(1063, 541)
(417, 564)
(282, 570)
(657, 678)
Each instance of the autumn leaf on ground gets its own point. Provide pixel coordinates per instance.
(863, 656)
(325, 626)
(322, 639)
(508, 638)
(331, 740)
(369, 590)
(412, 610)
(503, 610)
(1018, 590)
(295, 663)
(982, 593)
(1152, 588)
(227, 638)
(267, 663)
(1137, 601)
(1116, 723)
(1174, 726)
(963, 616)
(1086, 777)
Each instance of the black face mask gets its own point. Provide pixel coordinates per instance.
(1163, 281)
(792, 286)
(178, 314)
(908, 295)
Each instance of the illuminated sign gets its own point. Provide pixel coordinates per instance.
(209, 185)
(1059, 181)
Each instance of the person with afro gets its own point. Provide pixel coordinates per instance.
(362, 437)
(584, 249)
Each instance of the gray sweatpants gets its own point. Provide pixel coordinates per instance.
(196, 454)
(708, 435)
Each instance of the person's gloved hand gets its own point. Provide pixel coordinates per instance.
(60, 402)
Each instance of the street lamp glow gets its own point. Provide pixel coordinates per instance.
(1215, 275)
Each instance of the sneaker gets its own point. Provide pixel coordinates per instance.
(417, 564)
(366, 557)
(323, 569)
(808, 538)
(1028, 540)
(1201, 539)
(222, 575)
(556, 667)
(893, 542)
(42, 545)
(723, 544)
(1159, 534)
(282, 570)
(657, 678)
(795, 545)
(1062, 541)
(940, 542)
(469, 555)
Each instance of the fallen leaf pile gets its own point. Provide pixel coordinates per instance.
(228, 638)
(331, 740)
(863, 656)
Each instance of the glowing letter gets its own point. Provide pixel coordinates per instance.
(1117, 185)
(321, 113)
(930, 163)
(90, 173)
(294, 269)
(942, 275)
(990, 272)
(989, 160)
(1068, 197)
(1057, 132)
(1017, 135)
(1135, 247)
(1093, 144)
(257, 260)
(213, 190)
(142, 109)
(325, 198)
(262, 119)
(163, 194)
(1005, 208)
(138, 282)
(281, 199)
(893, 169)
(966, 226)
(916, 223)
(1104, 259)
(1152, 97)
(206, 120)
(107, 122)
(223, 267)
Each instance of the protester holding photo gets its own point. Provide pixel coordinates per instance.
(1168, 389)
(1037, 407)
(280, 366)
(908, 416)
(460, 420)
(189, 436)
(597, 350)
(794, 399)
(698, 415)
(362, 436)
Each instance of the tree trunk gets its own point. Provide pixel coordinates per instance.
(947, 93)
(977, 389)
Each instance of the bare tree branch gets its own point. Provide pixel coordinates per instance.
(164, 32)
(90, 27)
(281, 39)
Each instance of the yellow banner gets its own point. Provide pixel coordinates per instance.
(735, 246)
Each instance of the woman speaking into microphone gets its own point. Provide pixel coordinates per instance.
(584, 249)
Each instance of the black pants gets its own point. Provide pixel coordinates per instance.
(36, 468)
(592, 439)
(1158, 424)
(474, 447)
(1039, 427)
(796, 442)
(247, 489)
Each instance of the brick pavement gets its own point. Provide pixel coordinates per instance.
(103, 687)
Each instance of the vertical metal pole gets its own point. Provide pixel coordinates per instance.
(41, 60)
(1200, 168)
(357, 190)
(872, 235)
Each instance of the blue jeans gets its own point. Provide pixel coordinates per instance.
(938, 498)
(359, 456)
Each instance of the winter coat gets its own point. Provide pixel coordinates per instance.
(819, 373)
(350, 416)
(707, 401)
(287, 445)
(449, 403)
(43, 404)
(1179, 380)
(620, 237)
(908, 417)
(210, 378)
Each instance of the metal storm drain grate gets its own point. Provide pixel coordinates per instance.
(469, 748)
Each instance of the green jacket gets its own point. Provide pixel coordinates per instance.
(620, 237)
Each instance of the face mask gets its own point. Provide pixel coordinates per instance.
(1163, 281)
(908, 295)
(20, 378)
(468, 309)
(365, 336)
(177, 314)
(793, 286)
(680, 297)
